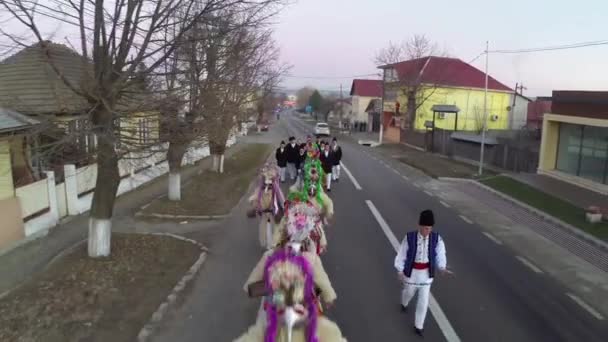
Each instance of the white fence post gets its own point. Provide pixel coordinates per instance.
(71, 189)
(52, 193)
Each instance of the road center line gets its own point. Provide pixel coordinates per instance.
(529, 264)
(350, 175)
(492, 237)
(465, 219)
(440, 317)
(428, 193)
(405, 177)
(444, 204)
(585, 306)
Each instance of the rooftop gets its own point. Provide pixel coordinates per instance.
(369, 88)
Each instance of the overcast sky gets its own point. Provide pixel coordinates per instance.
(336, 38)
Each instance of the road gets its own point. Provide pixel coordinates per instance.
(493, 296)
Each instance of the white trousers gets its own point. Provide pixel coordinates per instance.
(282, 171)
(291, 169)
(336, 171)
(328, 180)
(424, 292)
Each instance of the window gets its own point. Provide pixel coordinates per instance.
(583, 151)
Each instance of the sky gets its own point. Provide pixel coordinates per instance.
(339, 38)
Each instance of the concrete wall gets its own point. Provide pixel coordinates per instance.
(7, 188)
(12, 224)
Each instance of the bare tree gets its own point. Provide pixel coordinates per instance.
(420, 51)
(119, 41)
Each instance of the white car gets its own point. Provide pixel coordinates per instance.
(322, 129)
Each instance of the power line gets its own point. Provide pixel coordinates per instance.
(552, 48)
(330, 77)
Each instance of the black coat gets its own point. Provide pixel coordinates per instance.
(327, 162)
(301, 161)
(281, 157)
(292, 153)
(337, 155)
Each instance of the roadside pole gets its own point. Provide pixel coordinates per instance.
(485, 117)
(382, 108)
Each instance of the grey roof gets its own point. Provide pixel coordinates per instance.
(29, 85)
(445, 109)
(12, 121)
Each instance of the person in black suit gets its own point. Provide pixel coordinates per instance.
(281, 157)
(337, 151)
(301, 160)
(327, 163)
(292, 157)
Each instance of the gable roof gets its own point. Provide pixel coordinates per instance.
(13, 121)
(29, 84)
(445, 71)
(370, 88)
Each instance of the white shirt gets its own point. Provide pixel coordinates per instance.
(421, 253)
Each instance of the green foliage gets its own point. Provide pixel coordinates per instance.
(316, 100)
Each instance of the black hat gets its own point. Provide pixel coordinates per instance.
(334, 139)
(282, 142)
(426, 218)
(292, 138)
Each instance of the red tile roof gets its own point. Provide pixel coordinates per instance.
(445, 71)
(371, 88)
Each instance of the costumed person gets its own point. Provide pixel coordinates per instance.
(292, 157)
(327, 162)
(421, 255)
(281, 157)
(268, 201)
(301, 161)
(337, 151)
(291, 305)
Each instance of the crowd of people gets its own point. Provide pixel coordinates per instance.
(291, 158)
(290, 277)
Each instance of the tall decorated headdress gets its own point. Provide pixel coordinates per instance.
(312, 180)
(288, 278)
(301, 219)
(269, 176)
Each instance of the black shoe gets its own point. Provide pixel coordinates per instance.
(419, 332)
(328, 190)
(403, 308)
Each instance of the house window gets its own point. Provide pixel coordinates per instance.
(583, 151)
(144, 131)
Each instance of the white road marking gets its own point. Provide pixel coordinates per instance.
(395, 171)
(444, 204)
(585, 306)
(428, 193)
(350, 175)
(529, 264)
(466, 219)
(493, 238)
(417, 185)
(405, 177)
(440, 317)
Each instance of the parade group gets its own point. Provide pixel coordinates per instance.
(290, 277)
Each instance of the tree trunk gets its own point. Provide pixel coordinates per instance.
(217, 150)
(411, 110)
(175, 154)
(106, 185)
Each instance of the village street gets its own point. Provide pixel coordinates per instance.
(493, 295)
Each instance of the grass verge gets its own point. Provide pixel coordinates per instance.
(211, 193)
(82, 299)
(549, 204)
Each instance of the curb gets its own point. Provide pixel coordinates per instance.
(566, 226)
(145, 332)
(191, 217)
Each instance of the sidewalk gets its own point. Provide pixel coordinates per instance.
(24, 261)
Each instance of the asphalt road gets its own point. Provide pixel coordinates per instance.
(491, 297)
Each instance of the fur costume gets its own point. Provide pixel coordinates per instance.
(268, 201)
(315, 239)
(291, 308)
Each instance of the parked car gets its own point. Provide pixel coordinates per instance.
(322, 129)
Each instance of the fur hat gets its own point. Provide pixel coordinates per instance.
(427, 218)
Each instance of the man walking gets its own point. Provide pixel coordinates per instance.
(281, 157)
(292, 157)
(421, 255)
(337, 151)
(327, 163)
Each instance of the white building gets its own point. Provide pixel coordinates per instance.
(362, 92)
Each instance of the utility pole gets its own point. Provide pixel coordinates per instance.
(341, 107)
(485, 115)
(382, 107)
(519, 90)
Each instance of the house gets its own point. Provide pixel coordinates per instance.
(536, 109)
(362, 93)
(31, 85)
(432, 80)
(343, 110)
(15, 161)
(518, 116)
(574, 145)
